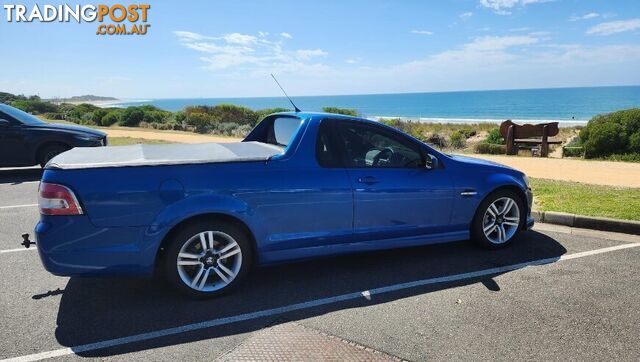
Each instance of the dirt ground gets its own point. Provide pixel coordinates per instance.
(592, 172)
(179, 137)
(585, 171)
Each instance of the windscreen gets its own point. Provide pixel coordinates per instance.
(21, 116)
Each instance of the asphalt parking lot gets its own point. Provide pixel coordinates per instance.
(559, 293)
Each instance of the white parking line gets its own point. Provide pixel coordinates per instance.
(20, 183)
(17, 206)
(367, 294)
(14, 250)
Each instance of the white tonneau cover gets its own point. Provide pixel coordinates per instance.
(154, 155)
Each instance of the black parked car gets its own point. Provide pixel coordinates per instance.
(26, 140)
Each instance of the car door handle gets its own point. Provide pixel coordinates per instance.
(369, 180)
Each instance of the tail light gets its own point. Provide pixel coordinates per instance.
(54, 199)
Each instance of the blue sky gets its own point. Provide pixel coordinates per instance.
(228, 48)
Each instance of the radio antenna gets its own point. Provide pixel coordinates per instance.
(285, 93)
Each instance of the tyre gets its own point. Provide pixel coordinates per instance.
(207, 258)
(498, 219)
(50, 152)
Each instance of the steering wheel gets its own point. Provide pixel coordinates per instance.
(384, 155)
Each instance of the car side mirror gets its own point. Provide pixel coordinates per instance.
(432, 162)
(4, 123)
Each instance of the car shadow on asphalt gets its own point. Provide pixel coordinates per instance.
(94, 310)
(19, 175)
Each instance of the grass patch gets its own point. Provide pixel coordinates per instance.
(586, 199)
(124, 141)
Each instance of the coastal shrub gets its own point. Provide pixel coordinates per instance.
(222, 113)
(34, 105)
(570, 151)
(226, 128)
(628, 157)
(111, 118)
(97, 115)
(154, 115)
(573, 152)
(613, 133)
(634, 142)
(201, 121)
(457, 140)
(87, 119)
(242, 131)
(437, 140)
(491, 149)
(494, 137)
(77, 113)
(53, 115)
(261, 113)
(8, 97)
(467, 132)
(345, 111)
(180, 117)
(131, 117)
(167, 126)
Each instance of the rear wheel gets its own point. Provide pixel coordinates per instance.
(49, 152)
(498, 219)
(206, 259)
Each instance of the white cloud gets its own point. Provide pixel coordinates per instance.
(422, 32)
(187, 35)
(249, 53)
(503, 7)
(237, 38)
(519, 60)
(584, 17)
(466, 15)
(486, 43)
(527, 2)
(519, 29)
(540, 34)
(286, 35)
(614, 27)
(310, 53)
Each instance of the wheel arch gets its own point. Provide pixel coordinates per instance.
(48, 143)
(204, 217)
(518, 191)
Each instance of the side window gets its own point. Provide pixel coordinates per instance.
(280, 131)
(326, 152)
(367, 146)
(9, 120)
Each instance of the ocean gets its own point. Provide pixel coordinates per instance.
(566, 105)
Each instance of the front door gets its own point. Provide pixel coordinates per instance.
(395, 194)
(13, 147)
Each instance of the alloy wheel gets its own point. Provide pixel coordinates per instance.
(209, 261)
(501, 220)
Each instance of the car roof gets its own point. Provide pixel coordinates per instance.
(322, 115)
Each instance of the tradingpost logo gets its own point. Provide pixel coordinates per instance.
(114, 19)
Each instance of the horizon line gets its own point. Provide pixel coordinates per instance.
(355, 94)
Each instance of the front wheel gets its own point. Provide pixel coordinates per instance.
(498, 219)
(49, 152)
(206, 259)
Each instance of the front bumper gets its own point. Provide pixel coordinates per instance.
(530, 220)
(73, 246)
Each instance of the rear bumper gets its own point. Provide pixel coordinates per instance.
(72, 246)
